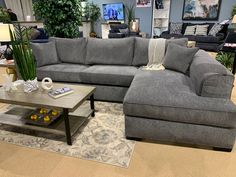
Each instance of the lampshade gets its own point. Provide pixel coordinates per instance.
(5, 33)
(234, 19)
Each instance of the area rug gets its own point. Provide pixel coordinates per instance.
(101, 139)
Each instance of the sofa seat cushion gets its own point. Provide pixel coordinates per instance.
(210, 39)
(168, 95)
(62, 72)
(109, 75)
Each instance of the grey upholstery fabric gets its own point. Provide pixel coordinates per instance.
(140, 52)
(71, 50)
(110, 51)
(109, 93)
(169, 95)
(174, 132)
(45, 53)
(181, 42)
(109, 75)
(62, 72)
(210, 78)
(178, 58)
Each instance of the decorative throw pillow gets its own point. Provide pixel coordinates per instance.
(45, 53)
(125, 31)
(181, 41)
(215, 29)
(176, 28)
(201, 30)
(190, 30)
(179, 58)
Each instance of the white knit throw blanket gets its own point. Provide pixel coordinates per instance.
(156, 53)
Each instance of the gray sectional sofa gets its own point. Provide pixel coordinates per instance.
(193, 108)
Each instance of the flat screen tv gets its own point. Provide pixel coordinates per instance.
(114, 11)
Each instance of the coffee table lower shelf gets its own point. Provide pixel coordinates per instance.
(15, 117)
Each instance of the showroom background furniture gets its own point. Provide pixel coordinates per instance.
(121, 31)
(193, 108)
(205, 42)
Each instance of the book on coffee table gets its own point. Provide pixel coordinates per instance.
(57, 93)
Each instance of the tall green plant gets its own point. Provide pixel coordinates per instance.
(92, 12)
(130, 13)
(23, 55)
(4, 16)
(226, 59)
(62, 18)
(234, 10)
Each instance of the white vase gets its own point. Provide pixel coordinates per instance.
(30, 85)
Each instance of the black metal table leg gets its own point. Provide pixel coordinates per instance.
(67, 126)
(234, 64)
(92, 105)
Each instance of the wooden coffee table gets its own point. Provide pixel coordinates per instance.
(73, 115)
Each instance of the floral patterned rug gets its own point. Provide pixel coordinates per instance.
(101, 139)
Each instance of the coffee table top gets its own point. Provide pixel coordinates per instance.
(40, 98)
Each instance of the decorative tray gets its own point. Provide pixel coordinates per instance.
(43, 116)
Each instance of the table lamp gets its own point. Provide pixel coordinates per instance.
(134, 26)
(234, 22)
(5, 39)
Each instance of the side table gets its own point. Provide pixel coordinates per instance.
(10, 67)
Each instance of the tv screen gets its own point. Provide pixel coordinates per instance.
(113, 11)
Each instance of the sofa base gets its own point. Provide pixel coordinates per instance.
(109, 93)
(174, 132)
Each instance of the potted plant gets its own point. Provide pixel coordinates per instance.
(24, 59)
(61, 18)
(130, 14)
(4, 16)
(234, 10)
(226, 59)
(92, 13)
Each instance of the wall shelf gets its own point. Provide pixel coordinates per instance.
(160, 21)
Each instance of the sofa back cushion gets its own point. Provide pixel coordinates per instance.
(110, 51)
(210, 78)
(141, 51)
(45, 53)
(71, 50)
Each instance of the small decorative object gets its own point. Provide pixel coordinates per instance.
(143, 3)
(24, 60)
(134, 26)
(8, 84)
(43, 116)
(57, 93)
(47, 83)
(201, 9)
(31, 85)
(159, 4)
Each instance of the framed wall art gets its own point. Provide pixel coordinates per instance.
(201, 9)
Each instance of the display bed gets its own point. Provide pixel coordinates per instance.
(73, 114)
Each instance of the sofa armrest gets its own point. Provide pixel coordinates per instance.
(221, 36)
(210, 78)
